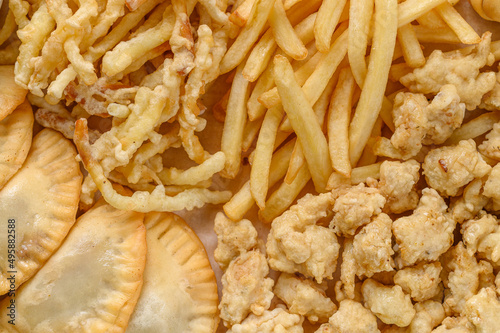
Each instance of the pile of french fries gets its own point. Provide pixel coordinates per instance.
(315, 86)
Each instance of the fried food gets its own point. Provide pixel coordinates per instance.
(12, 95)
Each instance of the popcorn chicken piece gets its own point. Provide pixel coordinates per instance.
(325, 328)
(483, 311)
(455, 325)
(353, 317)
(372, 247)
(245, 288)
(397, 185)
(473, 231)
(491, 100)
(275, 321)
(464, 278)
(489, 247)
(389, 304)
(470, 203)
(429, 315)
(354, 207)
(459, 69)
(304, 297)
(449, 168)
(490, 147)
(491, 187)
(419, 122)
(427, 233)
(420, 281)
(233, 238)
(296, 244)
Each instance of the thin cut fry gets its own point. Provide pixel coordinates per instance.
(412, 51)
(296, 162)
(234, 124)
(430, 35)
(410, 10)
(339, 116)
(474, 128)
(243, 200)
(432, 20)
(284, 34)
(248, 35)
(360, 14)
(242, 13)
(250, 133)
(358, 175)
(326, 22)
(303, 121)
(265, 82)
(9, 26)
(370, 102)
(259, 174)
(456, 22)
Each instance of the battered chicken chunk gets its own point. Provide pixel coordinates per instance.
(474, 231)
(245, 288)
(389, 304)
(352, 317)
(275, 321)
(455, 325)
(397, 185)
(354, 207)
(464, 278)
(233, 238)
(470, 203)
(296, 244)
(490, 147)
(372, 247)
(458, 69)
(429, 315)
(489, 247)
(491, 187)
(427, 233)
(304, 297)
(483, 311)
(417, 122)
(420, 281)
(449, 168)
(491, 100)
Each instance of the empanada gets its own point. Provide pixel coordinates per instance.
(11, 95)
(38, 207)
(91, 283)
(16, 131)
(179, 294)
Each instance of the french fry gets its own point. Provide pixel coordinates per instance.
(259, 174)
(358, 175)
(290, 3)
(264, 49)
(234, 124)
(360, 14)
(283, 197)
(386, 114)
(303, 121)
(250, 132)
(242, 13)
(430, 35)
(265, 82)
(326, 22)
(284, 34)
(397, 71)
(370, 102)
(410, 10)
(474, 128)
(368, 156)
(412, 51)
(242, 201)
(248, 35)
(432, 20)
(296, 162)
(339, 116)
(456, 22)
(9, 26)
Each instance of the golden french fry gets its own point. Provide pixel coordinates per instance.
(360, 14)
(290, 3)
(296, 162)
(474, 128)
(410, 10)
(11, 95)
(430, 35)
(358, 175)
(412, 51)
(326, 22)
(339, 116)
(242, 13)
(265, 82)
(259, 174)
(247, 36)
(284, 34)
(242, 201)
(283, 197)
(458, 24)
(303, 121)
(368, 156)
(386, 113)
(370, 102)
(397, 71)
(234, 124)
(432, 20)
(251, 132)
(9, 26)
